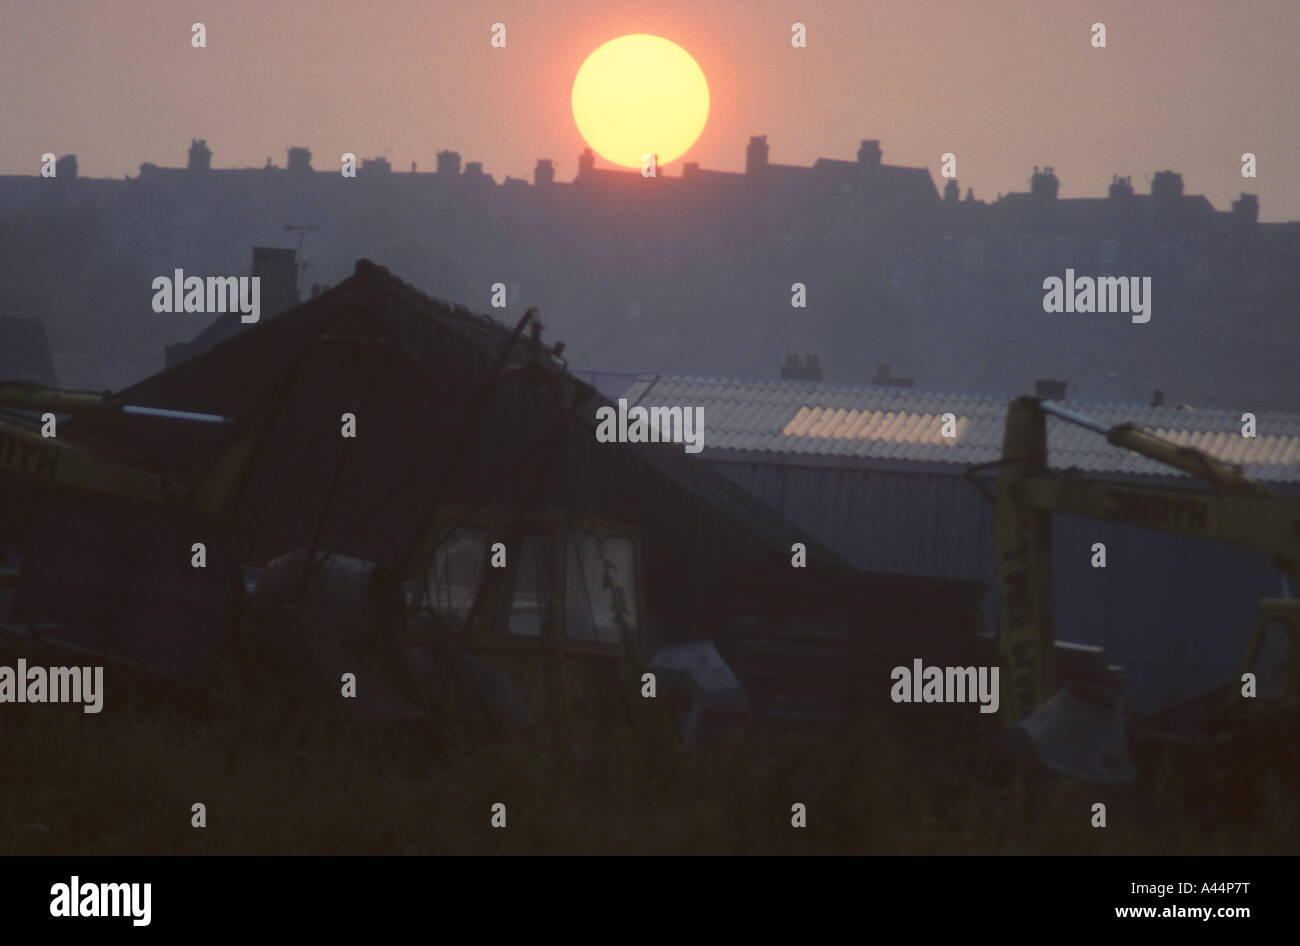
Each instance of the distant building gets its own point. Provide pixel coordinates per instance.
(866, 471)
(894, 268)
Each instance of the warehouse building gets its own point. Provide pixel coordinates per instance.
(867, 470)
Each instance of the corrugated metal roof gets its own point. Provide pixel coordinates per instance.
(810, 420)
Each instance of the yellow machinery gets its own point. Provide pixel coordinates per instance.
(64, 464)
(1233, 509)
(556, 605)
(106, 559)
(106, 539)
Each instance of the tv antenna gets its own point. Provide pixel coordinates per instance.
(300, 229)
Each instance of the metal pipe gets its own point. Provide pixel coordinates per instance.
(176, 415)
(1073, 418)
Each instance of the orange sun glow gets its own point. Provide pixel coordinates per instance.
(638, 95)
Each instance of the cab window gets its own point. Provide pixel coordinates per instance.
(589, 605)
(532, 597)
(457, 573)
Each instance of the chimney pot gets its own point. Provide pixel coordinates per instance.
(1051, 390)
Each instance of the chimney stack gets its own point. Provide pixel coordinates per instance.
(756, 154)
(1044, 185)
(299, 161)
(1166, 189)
(883, 377)
(449, 162)
(809, 369)
(200, 155)
(1245, 210)
(1050, 390)
(869, 154)
(278, 270)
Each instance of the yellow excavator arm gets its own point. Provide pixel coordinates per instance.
(66, 463)
(84, 467)
(1235, 510)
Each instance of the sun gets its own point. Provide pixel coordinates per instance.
(637, 95)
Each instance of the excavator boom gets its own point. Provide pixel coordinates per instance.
(1235, 510)
(1266, 525)
(1188, 459)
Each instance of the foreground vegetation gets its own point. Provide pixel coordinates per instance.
(124, 783)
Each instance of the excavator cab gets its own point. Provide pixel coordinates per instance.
(553, 599)
(1274, 654)
(506, 612)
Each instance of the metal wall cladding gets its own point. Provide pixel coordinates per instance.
(881, 521)
(815, 647)
(1176, 613)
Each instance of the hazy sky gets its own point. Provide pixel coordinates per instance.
(1184, 84)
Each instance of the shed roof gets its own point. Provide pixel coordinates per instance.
(825, 423)
(395, 308)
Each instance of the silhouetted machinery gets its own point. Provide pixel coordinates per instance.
(106, 545)
(1233, 509)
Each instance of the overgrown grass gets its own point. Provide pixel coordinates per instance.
(124, 784)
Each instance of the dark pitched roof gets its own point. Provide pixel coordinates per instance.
(717, 491)
(224, 326)
(393, 303)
